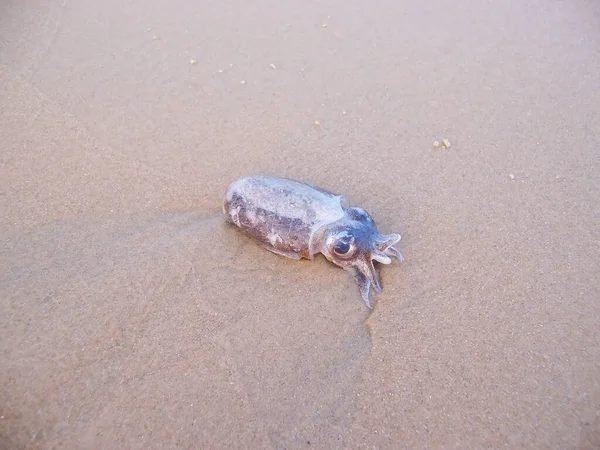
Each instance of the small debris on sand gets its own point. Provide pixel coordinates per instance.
(446, 143)
(436, 144)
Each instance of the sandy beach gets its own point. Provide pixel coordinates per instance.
(132, 316)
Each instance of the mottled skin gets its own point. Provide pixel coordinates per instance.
(299, 220)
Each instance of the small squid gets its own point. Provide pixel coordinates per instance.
(299, 220)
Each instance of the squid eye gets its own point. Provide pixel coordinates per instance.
(341, 247)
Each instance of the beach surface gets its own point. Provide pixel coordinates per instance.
(132, 316)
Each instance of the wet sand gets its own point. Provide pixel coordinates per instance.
(132, 316)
